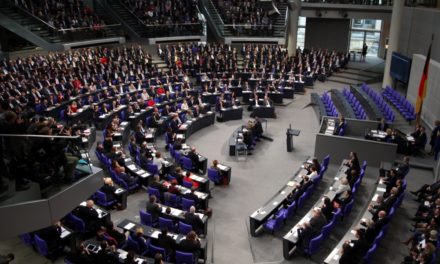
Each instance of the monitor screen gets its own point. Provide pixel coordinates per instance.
(400, 67)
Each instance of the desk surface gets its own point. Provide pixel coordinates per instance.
(292, 235)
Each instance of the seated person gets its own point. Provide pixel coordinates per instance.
(194, 220)
(173, 187)
(191, 244)
(153, 208)
(215, 167)
(52, 235)
(159, 161)
(315, 163)
(157, 185)
(192, 196)
(166, 242)
(310, 229)
(383, 125)
(115, 234)
(138, 236)
(89, 215)
(187, 178)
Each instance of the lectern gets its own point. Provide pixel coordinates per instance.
(289, 137)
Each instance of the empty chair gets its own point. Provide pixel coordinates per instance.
(27, 239)
(302, 199)
(170, 199)
(166, 223)
(314, 245)
(178, 157)
(184, 229)
(184, 258)
(379, 238)
(326, 160)
(275, 223)
(187, 203)
(327, 229)
(347, 209)
(44, 250)
(152, 168)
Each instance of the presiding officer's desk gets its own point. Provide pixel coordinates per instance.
(153, 233)
(179, 215)
(235, 140)
(260, 216)
(290, 239)
(404, 141)
(195, 124)
(335, 255)
(231, 113)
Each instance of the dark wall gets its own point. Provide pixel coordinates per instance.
(327, 33)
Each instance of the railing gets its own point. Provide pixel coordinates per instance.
(354, 2)
(53, 34)
(40, 165)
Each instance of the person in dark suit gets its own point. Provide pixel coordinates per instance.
(112, 232)
(157, 185)
(421, 140)
(166, 242)
(356, 249)
(81, 255)
(89, 215)
(191, 244)
(311, 229)
(381, 221)
(293, 195)
(327, 209)
(109, 189)
(138, 236)
(353, 163)
(192, 196)
(341, 125)
(107, 254)
(194, 220)
(192, 155)
(403, 168)
(153, 208)
(383, 125)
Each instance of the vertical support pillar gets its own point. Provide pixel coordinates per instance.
(393, 41)
(293, 10)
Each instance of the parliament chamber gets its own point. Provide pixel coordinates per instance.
(141, 131)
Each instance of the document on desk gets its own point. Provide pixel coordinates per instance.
(380, 189)
(291, 183)
(132, 167)
(200, 215)
(375, 197)
(155, 234)
(222, 167)
(64, 232)
(129, 226)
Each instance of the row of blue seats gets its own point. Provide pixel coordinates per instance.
(368, 256)
(404, 106)
(275, 223)
(355, 104)
(329, 105)
(377, 98)
(338, 215)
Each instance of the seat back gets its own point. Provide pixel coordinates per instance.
(153, 250)
(41, 246)
(152, 168)
(214, 175)
(337, 215)
(326, 160)
(184, 258)
(133, 245)
(368, 256)
(187, 163)
(327, 229)
(177, 157)
(291, 209)
(187, 184)
(379, 238)
(78, 223)
(153, 191)
(184, 229)
(26, 238)
(166, 223)
(347, 208)
(187, 203)
(302, 199)
(314, 244)
(101, 199)
(170, 199)
(146, 218)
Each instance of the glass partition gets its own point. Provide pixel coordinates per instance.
(37, 166)
(366, 31)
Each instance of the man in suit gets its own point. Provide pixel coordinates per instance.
(194, 157)
(157, 185)
(194, 220)
(89, 215)
(192, 196)
(109, 189)
(382, 126)
(166, 242)
(311, 229)
(153, 208)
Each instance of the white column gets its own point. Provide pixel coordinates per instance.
(393, 40)
(292, 25)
